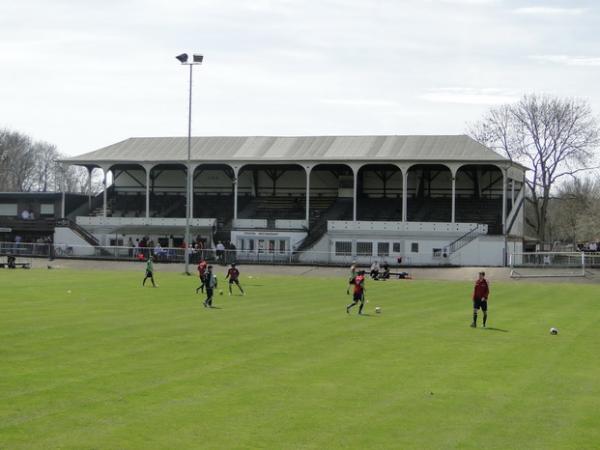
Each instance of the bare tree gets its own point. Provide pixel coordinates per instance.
(574, 213)
(26, 165)
(555, 138)
(17, 161)
(44, 173)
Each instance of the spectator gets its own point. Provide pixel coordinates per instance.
(386, 271)
(220, 251)
(232, 251)
(200, 248)
(374, 270)
(159, 252)
(131, 246)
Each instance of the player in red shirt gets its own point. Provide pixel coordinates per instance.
(481, 293)
(234, 274)
(202, 265)
(359, 292)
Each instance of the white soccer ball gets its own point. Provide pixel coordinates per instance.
(69, 291)
(377, 309)
(553, 330)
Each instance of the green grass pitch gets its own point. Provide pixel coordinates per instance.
(113, 365)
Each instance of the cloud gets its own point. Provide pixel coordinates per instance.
(582, 61)
(369, 102)
(470, 96)
(549, 11)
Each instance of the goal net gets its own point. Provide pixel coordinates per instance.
(547, 264)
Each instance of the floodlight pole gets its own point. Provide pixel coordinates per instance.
(188, 213)
(190, 176)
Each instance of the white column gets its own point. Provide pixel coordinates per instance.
(90, 170)
(404, 171)
(236, 172)
(104, 193)
(453, 197)
(62, 205)
(504, 195)
(148, 170)
(308, 171)
(354, 189)
(512, 192)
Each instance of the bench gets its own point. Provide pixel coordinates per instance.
(22, 265)
(11, 263)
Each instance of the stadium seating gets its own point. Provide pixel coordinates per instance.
(483, 210)
(379, 209)
(437, 209)
(274, 207)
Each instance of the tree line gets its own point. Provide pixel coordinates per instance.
(27, 165)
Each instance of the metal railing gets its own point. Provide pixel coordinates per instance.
(466, 238)
(177, 255)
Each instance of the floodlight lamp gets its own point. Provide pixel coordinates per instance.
(182, 58)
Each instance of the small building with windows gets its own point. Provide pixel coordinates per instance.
(424, 200)
(33, 216)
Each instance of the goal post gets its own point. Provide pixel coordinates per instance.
(547, 264)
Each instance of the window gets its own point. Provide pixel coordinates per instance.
(343, 248)
(383, 249)
(8, 209)
(437, 252)
(47, 209)
(364, 248)
(414, 247)
(396, 247)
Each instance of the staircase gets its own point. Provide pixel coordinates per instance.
(465, 239)
(318, 226)
(80, 231)
(84, 234)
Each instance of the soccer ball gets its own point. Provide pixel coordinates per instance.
(553, 330)
(377, 309)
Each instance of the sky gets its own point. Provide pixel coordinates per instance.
(88, 73)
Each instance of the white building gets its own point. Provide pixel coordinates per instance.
(431, 200)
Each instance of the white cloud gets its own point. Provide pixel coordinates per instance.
(470, 96)
(368, 102)
(549, 11)
(583, 61)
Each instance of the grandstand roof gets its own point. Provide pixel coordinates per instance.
(453, 148)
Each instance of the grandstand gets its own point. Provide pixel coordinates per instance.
(430, 200)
